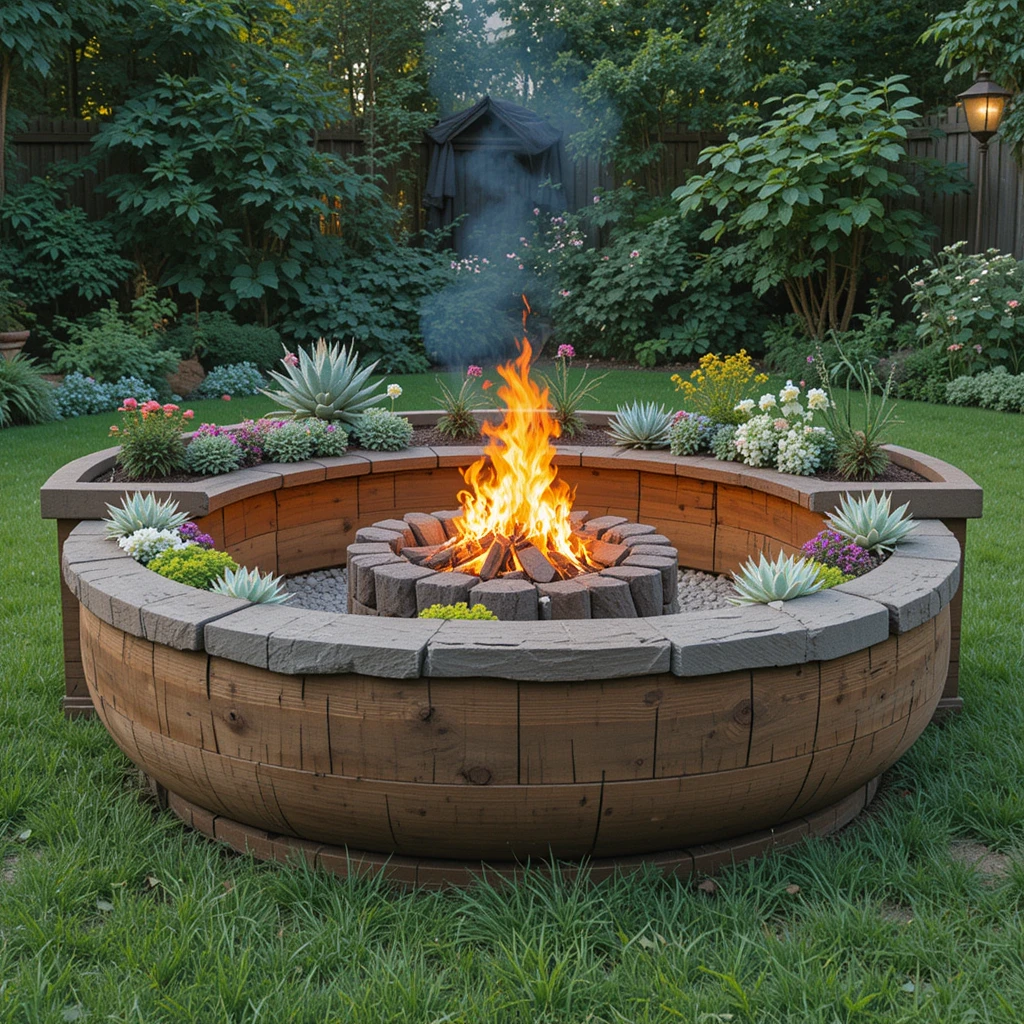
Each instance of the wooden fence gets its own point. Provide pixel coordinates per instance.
(944, 138)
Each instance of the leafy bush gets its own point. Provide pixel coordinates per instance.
(691, 433)
(381, 430)
(723, 443)
(78, 395)
(329, 439)
(150, 439)
(461, 610)
(718, 386)
(25, 398)
(14, 312)
(994, 390)
(829, 576)
(213, 455)
(194, 566)
(220, 341)
(233, 379)
(920, 375)
(290, 442)
(147, 543)
(971, 302)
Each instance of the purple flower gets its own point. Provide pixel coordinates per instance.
(810, 359)
(833, 549)
(204, 540)
(188, 531)
(474, 371)
(566, 352)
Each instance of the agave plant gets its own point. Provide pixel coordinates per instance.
(250, 586)
(869, 522)
(140, 511)
(640, 425)
(326, 383)
(781, 580)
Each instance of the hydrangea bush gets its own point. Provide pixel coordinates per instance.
(234, 379)
(79, 395)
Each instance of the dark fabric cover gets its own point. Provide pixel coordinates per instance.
(535, 139)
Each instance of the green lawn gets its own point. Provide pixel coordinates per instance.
(112, 912)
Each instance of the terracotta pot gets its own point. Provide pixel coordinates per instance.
(12, 342)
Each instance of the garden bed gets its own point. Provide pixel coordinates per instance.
(284, 731)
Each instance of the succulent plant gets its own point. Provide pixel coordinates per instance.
(141, 510)
(380, 430)
(328, 438)
(194, 566)
(212, 455)
(691, 433)
(326, 383)
(870, 523)
(781, 580)
(250, 585)
(640, 425)
(292, 442)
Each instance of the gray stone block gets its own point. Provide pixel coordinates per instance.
(397, 526)
(428, 530)
(510, 600)
(245, 635)
(606, 649)
(599, 526)
(368, 548)
(668, 567)
(609, 598)
(355, 608)
(647, 540)
(659, 551)
(395, 586)
(645, 587)
(934, 546)
(912, 589)
(671, 609)
(569, 599)
(180, 621)
(444, 588)
(618, 534)
(732, 639)
(838, 623)
(372, 534)
(361, 583)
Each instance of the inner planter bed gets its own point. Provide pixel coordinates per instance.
(424, 748)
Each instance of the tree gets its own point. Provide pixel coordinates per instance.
(987, 35)
(32, 32)
(811, 198)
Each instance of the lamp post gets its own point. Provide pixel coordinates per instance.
(984, 104)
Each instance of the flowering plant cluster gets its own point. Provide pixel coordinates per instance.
(971, 306)
(831, 548)
(150, 438)
(458, 420)
(718, 388)
(148, 542)
(565, 396)
(691, 432)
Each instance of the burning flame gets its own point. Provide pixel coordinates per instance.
(514, 490)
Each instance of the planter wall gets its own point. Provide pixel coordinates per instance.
(429, 746)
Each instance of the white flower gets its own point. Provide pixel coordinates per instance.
(394, 391)
(817, 399)
(792, 409)
(145, 544)
(790, 393)
(746, 406)
(767, 402)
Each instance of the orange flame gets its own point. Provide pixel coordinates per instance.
(515, 486)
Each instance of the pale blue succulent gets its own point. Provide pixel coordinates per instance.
(250, 585)
(869, 522)
(781, 580)
(139, 511)
(640, 425)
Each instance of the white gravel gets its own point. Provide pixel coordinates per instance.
(326, 590)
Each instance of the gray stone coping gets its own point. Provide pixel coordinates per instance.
(74, 493)
(910, 588)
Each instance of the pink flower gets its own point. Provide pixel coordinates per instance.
(597, 199)
(474, 371)
(114, 430)
(810, 359)
(633, 255)
(977, 348)
(170, 407)
(187, 414)
(564, 293)
(290, 359)
(129, 403)
(604, 259)
(780, 424)
(566, 352)
(520, 266)
(225, 398)
(954, 348)
(1013, 304)
(803, 383)
(536, 211)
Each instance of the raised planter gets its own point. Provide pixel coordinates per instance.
(431, 746)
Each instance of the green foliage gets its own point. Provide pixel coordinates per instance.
(461, 610)
(566, 397)
(996, 389)
(640, 425)
(458, 420)
(870, 523)
(808, 198)
(380, 430)
(970, 306)
(194, 566)
(783, 579)
(723, 444)
(327, 383)
(78, 395)
(52, 250)
(232, 379)
(691, 433)
(151, 442)
(329, 439)
(211, 455)
(250, 586)
(14, 316)
(986, 35)
(292, 442)
(718, 386)
(831, 576)
(918, 374)
(219, 340)
(25, 398)
(141, 511)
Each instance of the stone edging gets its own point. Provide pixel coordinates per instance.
(907, 590)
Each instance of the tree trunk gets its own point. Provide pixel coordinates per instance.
(5, 87)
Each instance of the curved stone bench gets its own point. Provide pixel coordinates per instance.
(429, 746)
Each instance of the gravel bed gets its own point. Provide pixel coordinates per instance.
(326, 590)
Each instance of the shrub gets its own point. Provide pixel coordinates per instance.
(329, 439)
(458, 611)
(251, 436)
(232, 379)
(723, 443)
(919, 375)
(804, 450)
(220, 341)
(25, 397)
(150, 439)
(290, 442)
(718, 386)
(78, 395)
(691, 433)
(829, 576)
(381, 430)
(757, 441)
(994, 390)
(194, 566)
(212, 455)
